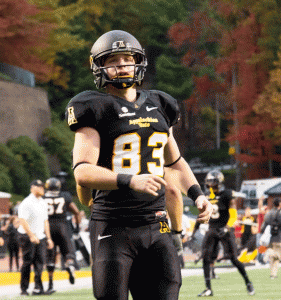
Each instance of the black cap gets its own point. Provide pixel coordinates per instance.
(37, 182)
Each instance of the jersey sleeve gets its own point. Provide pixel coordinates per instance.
(84, 110)
(170, 107)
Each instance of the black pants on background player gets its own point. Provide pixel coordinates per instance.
(210, 243)
(32, 254)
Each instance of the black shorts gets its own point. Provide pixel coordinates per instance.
(61, 237)
(211, 241)
(142, 259)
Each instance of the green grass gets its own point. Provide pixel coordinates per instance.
(229, 286)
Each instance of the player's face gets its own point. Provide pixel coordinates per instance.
(120, 65)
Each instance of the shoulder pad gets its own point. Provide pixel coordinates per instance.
(169, 105)
(85, 109)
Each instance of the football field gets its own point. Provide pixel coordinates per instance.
(230, 285)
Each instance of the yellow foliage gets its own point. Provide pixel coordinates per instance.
(61, 39)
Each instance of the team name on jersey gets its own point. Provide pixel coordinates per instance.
(143, 122)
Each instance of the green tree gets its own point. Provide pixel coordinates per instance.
(6, 184)
(58, 141)
(173, 78)
(16, 171)
(32, 156)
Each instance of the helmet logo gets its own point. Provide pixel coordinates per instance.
(120, 44)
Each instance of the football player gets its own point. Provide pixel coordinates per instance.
(221, 199)
(58, 205)
(123, 139)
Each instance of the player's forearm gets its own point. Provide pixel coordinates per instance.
(47, 229)
(84, 194)
(186, 177)
(96, 178)
(174, 204)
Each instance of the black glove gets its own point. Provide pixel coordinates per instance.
(177, 240)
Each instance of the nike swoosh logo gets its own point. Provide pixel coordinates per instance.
(103, 237)
(150, 108)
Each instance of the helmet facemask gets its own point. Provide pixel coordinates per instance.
(214, 180)
(121, 82)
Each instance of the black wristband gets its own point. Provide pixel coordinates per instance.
(194, 192)
(123, 181)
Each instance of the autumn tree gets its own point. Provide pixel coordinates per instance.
(248, 49)
(268, 103)
(22, 35)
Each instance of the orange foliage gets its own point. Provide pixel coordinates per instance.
(21, 35)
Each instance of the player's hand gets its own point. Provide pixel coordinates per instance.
(34, 239)
(177, 240)
(2, 242)
(205, 209)
(147, 183)
(50, 244)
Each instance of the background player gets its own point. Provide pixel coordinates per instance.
(123, 138)
(221, 200)
(58, 205)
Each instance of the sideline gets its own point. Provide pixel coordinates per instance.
(83, 280)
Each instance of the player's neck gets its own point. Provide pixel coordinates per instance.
(129, 94)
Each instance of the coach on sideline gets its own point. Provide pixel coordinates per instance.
(34, 228)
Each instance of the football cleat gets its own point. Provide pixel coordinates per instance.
(250, 289)
(38, 292)
(24, 293)
(50, 291)
(206, 293)
(70, 271)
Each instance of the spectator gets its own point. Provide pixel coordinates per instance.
(33, 229)
(10, 230)
(247, 222)
(274, 251)
(2, 241)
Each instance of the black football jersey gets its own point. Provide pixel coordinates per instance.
(221, 203)
(133, 137)
(58, 204)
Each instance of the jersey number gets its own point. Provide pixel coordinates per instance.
(55, 206)
(127, 153)
(215, 213)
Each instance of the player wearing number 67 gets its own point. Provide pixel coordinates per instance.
(58, 206)
(123, 140)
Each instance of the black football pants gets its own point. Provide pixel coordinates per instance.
(140, 259)
(61, 237)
